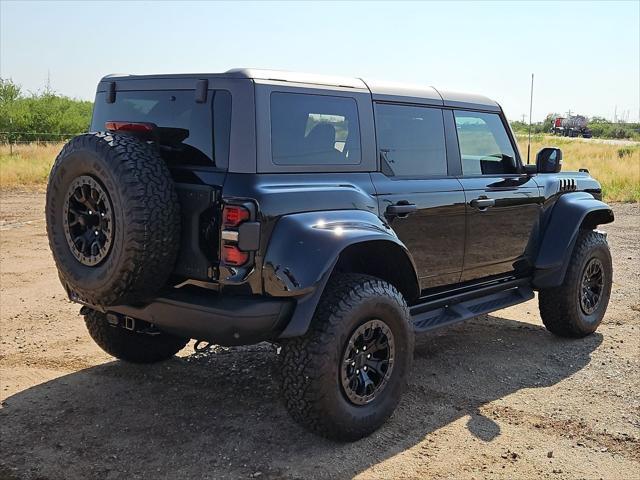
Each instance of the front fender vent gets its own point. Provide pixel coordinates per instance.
(567, 185)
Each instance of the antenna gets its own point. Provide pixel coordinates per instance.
(530, 110)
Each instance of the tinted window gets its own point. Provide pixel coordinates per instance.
(204, 143)
(314, 130)
(484, 144)
(411, 140)
(221, 127)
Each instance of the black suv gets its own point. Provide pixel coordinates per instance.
(333, 217)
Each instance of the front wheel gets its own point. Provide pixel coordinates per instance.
(344, 378)
(576, 308)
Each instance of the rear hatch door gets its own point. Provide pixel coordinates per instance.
(192, 131)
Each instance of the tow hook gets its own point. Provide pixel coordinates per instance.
(202, 346)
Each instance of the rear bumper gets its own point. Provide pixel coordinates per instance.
(225, 320)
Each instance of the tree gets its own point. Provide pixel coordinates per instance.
(548, 122)
(9, 91)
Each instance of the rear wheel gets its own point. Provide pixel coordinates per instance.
(130, 345)
(344, 378)
(576, 308)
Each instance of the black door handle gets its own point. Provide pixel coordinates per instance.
(400, 209)
(482, 203)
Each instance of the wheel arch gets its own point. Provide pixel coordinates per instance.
(306, 248)
(596, 217)
(385, 260)
(571, 213)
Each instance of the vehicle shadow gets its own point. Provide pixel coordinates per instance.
(218, 415)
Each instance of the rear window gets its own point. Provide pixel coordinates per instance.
(208, 124)
(411, 140)
(314, 130)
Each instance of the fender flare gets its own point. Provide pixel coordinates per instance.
(304, 249)
(570, 213)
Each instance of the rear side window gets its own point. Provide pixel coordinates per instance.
(206, 125)
(484, 144)
(411, 140)
(314, 130)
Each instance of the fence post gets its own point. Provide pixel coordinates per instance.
(9, 136)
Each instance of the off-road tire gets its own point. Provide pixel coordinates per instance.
(146, 218)
(560, 307)
(310, 366)
(129, 345)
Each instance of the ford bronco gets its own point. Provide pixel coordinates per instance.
(333, 217)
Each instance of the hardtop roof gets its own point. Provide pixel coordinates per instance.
(382, 91)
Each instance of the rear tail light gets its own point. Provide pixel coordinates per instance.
(234, 215)
(132, 127)
(232, 255)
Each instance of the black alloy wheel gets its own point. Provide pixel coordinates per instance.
(367, 362)
(88, 220)
(592, 285)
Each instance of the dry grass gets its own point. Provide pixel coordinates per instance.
(28, 168)
(617, 167)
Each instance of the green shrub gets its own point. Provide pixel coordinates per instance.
(33, 116)
(626, 151)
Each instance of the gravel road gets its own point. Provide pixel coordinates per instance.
(498, 397)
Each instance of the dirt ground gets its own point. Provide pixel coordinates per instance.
(497, 397)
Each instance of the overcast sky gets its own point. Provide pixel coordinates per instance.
(585, 56)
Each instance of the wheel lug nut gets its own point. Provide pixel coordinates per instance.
(353, 364)
(357, 371)
(368, 355)
(364, 348)
(357, 351)
(364, 368)
(90, 212)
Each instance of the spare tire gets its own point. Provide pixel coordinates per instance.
(113, 219)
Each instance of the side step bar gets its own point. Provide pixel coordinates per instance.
(431, 315)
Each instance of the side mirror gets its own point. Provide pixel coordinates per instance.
(549, 160)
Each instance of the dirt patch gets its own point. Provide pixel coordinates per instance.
(498, 397)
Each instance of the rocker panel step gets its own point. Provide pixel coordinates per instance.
(425, 319)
